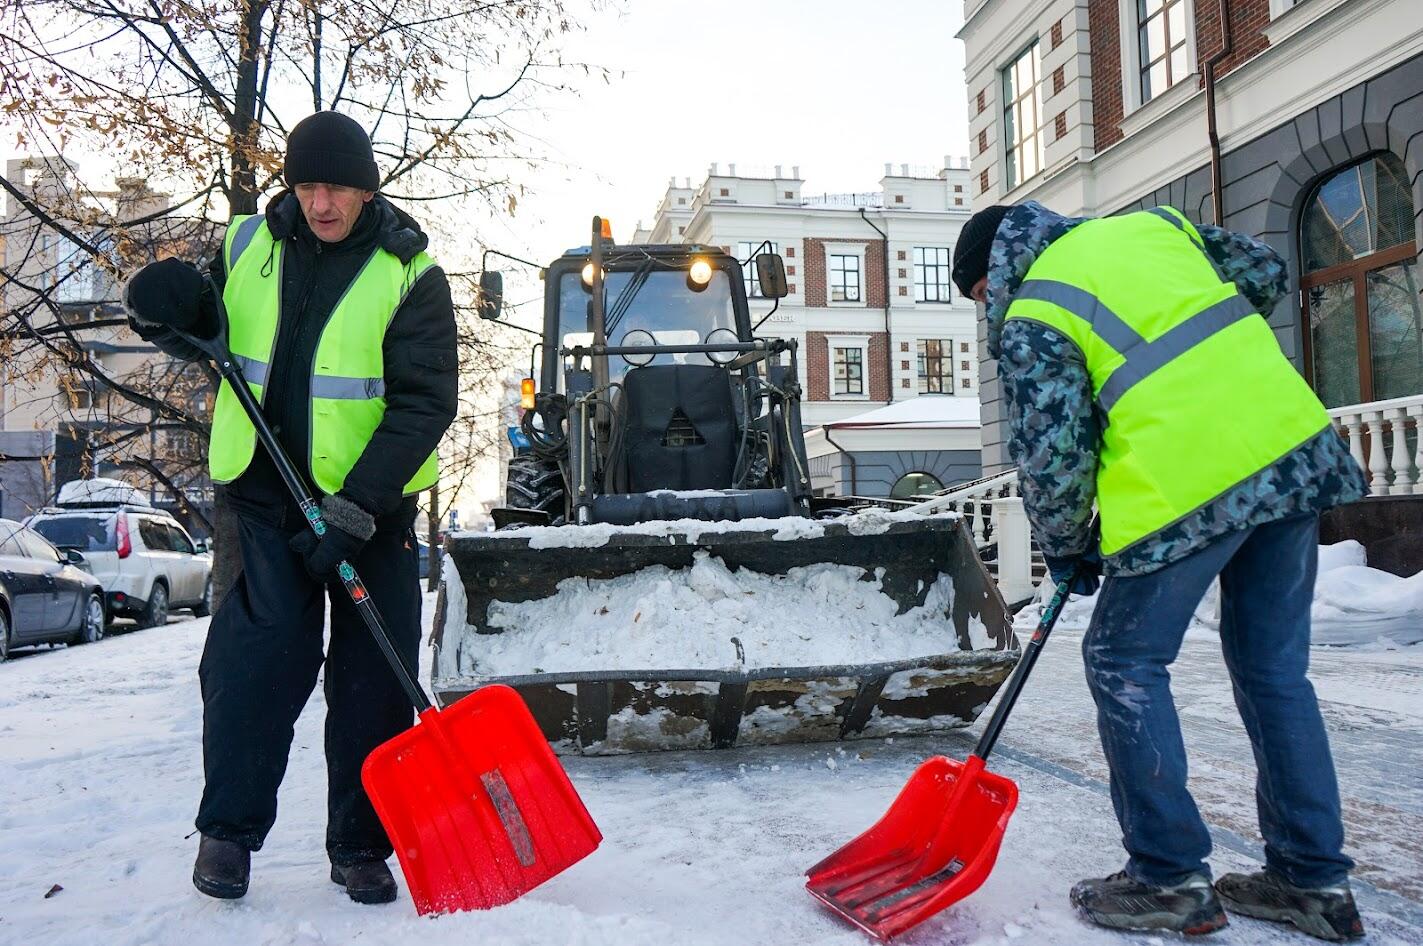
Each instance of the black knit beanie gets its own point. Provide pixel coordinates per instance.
(330, 148)
(975, 241)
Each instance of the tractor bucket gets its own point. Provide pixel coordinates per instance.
(623, 708)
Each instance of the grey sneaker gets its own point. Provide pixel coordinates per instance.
(1120, 903)
(1325, 912)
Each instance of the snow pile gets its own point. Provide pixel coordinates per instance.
(866, 522)
(1353, 604)
(710, 617)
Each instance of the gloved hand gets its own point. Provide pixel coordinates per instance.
(168, 296)
(1088, 580)
(348, 529)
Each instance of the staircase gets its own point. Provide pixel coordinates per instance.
(994, 513)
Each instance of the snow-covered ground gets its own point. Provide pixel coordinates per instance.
(100, 773)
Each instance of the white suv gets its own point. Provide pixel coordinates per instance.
(146, 561)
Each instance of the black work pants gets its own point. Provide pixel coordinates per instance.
(263, 654)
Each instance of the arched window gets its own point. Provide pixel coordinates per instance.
(1360, 282)
(915, 484)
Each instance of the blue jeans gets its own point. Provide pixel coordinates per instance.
(1267, 583)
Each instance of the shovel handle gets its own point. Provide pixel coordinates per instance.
(1025, 666)
(231, 372)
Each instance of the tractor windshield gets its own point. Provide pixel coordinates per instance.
(657, 301)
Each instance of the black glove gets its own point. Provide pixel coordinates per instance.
(1088, 579)
(168, 296)
(348, 529)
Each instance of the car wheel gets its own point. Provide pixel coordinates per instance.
(204, 607)
(4, 636)
(156, 614)
(91, 629)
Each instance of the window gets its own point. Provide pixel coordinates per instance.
(1360, 284)
(37, 547)
(744, 251)
(178, 540)
(9, 539)
(155, 535)
(936, 366)
(931, 274)
(915, 484)
(1161, 43)
(1022, 118)
(844, 278)
(86, 533)
(849, 371)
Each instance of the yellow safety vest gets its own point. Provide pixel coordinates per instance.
(1197, 396)
(348, 371)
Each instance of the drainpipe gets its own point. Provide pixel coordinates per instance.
(888, 338)
(1216, 59)
(854, 473)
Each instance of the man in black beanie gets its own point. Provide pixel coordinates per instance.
(345, 330)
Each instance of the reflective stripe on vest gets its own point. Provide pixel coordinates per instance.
(347, 384)
(1195, 392)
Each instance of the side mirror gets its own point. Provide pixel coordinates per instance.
(202, 545)
(73, 556)
(491, 294)
(771, 274)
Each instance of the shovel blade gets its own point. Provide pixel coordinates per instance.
(927, 852)
(477, 806)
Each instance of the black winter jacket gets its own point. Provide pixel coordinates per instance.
(420, 355)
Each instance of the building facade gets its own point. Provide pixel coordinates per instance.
(871, 304)
(1298, 121)
(59, 419)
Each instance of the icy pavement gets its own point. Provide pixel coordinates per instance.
(100, 770)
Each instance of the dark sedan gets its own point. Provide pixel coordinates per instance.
(44, 596)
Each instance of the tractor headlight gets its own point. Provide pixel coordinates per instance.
(588, 272)
(699, 276)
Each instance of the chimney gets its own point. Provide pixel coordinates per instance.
(714, 169)
(888, 169)
(731, 169)
(778, 171)
(795, 171)
(687, 183)
(948, 160)
(904, 170)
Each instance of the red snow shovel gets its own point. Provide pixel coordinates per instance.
(474, 801)
(938, 841)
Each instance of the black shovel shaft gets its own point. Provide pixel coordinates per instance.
(227, 366)
(1025, 667)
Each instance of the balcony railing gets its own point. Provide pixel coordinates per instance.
(1384, 439)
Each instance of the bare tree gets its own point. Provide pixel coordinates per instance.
(196, 98)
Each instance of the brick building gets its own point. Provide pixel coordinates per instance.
(871, 303)
(1103, 106)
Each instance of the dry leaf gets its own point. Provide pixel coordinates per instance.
(53, 890)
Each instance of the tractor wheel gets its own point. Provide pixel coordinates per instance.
(535, 484)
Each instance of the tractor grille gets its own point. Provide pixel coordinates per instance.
(680, 432)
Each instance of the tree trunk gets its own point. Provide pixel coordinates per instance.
(242, 199)
(432, 582)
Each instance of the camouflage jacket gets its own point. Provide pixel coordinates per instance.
(1054, 429)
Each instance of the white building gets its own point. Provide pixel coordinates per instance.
(865, 340)
(1298, 121)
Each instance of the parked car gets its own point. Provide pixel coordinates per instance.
(45, 596)
(146, 560)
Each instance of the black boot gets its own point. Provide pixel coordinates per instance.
(1325, 912)
(365, 882)
(1120, 903)
(222, 869)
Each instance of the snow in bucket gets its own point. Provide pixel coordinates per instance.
(712, 617)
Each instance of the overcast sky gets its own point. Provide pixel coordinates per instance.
(838, 87)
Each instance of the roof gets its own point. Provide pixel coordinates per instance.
(924, 423)
(924, 411)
